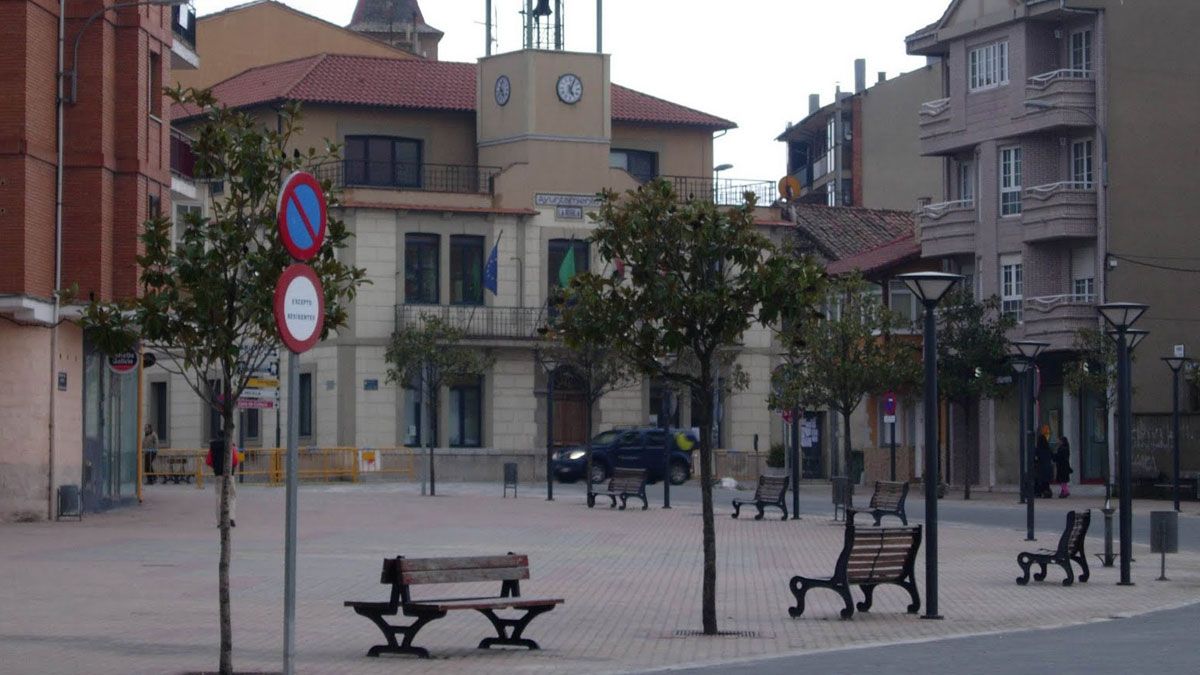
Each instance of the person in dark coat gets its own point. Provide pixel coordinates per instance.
(1043, 464)
(1062, 467)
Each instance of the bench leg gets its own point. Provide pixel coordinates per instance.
(1025, 561)
(516, 626)
(591, 500)
(783, 507)
(624, 498)
(1041, 575)
(409, 632)
(868, 598)
(645, 502)
(800, 587)
(737, 508)
(759, 506)
(614, 501)
(903, 518)
(1066, 565)
(1086, 573)
(910, 585)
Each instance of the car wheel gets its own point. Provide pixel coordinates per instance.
(679, 473)
(599, 473)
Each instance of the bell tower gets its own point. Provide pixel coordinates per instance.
(398, 23)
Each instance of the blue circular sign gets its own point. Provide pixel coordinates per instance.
(302, 214)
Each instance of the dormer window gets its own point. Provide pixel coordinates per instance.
(987, 66)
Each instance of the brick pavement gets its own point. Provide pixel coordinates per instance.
(133, 591)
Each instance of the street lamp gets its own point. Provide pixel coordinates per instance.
(550, 365)
(1027, 353)
(929, 288)
(1175, 363)
(1121, 316)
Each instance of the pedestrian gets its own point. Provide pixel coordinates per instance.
(1043, 464)
(216, 459)
(149, 452)
(1062, 467)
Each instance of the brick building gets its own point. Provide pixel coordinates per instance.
(64, 418)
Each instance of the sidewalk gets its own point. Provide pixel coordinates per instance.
(134, 591)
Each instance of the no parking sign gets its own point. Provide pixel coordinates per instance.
(302, 215)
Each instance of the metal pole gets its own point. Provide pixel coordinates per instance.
(1030, 443)
(289, 549)
(528, 24)
(931, 464)
(1175, 428)
(796, 464)
(599, 26)
(277, 416)
(550, 436)
(488, 22)
(664, 421)
(1022, 436)
(1124, 452)
(892, 458)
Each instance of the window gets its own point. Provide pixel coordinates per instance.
(830, 138)
(251, 425)
(1012, 286)
(160, 413)
(1081, 50)
(154, 87)
(1081, 164)
(1010, 181)
(831, 195)
(153, 206)
(641, 164)
(383, 161)
(421, 257)
(558, 255)
(965, 179)
(466, 415)
(1083, 274)
(902, 301)
(185, 213)
(466, 270)
(414, 407)
(988, 66)
(305, 409)
(967, 270)
(662, 395)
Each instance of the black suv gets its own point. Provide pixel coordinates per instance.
(639, 448)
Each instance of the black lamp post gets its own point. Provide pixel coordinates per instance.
(1175, 363)
(1121, 316)
(930, 288)
(1026, 364)
(550, 366)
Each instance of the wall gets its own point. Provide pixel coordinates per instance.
(894, 175)
(681, 152)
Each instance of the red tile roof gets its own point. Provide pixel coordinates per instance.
(896, 252)
(409, 83)
(838, 232)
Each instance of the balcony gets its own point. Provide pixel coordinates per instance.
(450, 178)
(183, 47)
(1056, 318)
(1066, 91)
(1064, 210)
(723, 191)
(934, 117)
(947, 228)
(478, 322)
(183, 165)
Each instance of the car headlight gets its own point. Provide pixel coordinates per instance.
(577, 454)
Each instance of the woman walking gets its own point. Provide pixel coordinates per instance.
(149, 452)
(1043, 465)
(1062, 467)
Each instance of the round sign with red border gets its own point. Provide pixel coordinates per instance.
(299, 308)
(302, 213)
(889, 403)
(123, 363)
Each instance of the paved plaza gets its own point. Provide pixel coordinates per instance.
(134, 590)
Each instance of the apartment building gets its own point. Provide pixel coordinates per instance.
(65, 418)
(1064, 145)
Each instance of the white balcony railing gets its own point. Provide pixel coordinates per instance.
(942, 208)
(1047, 302)
(1043, 80)
(935, 108)
(1049, 189)
(822, 166)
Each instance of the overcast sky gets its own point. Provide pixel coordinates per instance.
(751, 61)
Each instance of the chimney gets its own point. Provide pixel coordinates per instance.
(882, 77)
(860, 75)
(814, 103)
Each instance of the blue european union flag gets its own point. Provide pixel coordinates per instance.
(490, 271)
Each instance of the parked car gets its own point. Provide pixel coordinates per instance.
(637, 448)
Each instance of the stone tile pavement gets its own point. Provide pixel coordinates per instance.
(134, 590)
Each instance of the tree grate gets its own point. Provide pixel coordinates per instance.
(685, 632)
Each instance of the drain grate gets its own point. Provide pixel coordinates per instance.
(683, 632)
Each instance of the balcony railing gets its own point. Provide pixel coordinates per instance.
(183, 23)
(478, 322)
(183, 160)
(933, 117)
(947, 228)
(1063, 210)
(822, 166)
(935, 107)
(1043, 80)
(935, 211)
(1058, 317)
(723, 191)
(460, 179)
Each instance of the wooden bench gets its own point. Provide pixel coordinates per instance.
(888, 499)
(1070, 549)
(625, 483)
(772, 491)
(871, 556)
(402, 573)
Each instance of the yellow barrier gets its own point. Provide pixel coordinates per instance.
(268, 465)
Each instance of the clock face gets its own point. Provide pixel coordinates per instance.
(503, 90)
(570, 88)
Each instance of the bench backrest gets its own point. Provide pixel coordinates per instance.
(771, 488)
(878, 554)
(1071, 541)
(627, 480)
(404, 572)
(888, 496)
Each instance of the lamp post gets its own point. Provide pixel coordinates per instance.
(929, 288)
(1027, 352)
(550, 366)
(1175, 363)
(717, 180)
(1121, 316)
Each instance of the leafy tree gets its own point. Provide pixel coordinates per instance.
(835, 362)
(1094, 368)
(973, 356)
(430, 354)
(206, 301)
(698, 278)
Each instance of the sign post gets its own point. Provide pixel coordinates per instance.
(889, 416)
(300, 316)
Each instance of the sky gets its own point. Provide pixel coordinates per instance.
(750, 61)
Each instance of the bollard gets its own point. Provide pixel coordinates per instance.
(1164, 536)
(1108, 557)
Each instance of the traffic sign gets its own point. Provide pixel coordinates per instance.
(889, 404)
(258, 394)
(299, 308)
(123, 363)
(302, 215)
(262, 383)
(256, 404)
(889, 419)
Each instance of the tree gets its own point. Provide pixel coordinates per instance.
(206, 300)
(835, 362)
(431, 354)
(973, 356)
(1094, 368)
(698, 278)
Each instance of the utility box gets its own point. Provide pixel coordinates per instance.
(510, 478)
(1164, 532)
(70, 502)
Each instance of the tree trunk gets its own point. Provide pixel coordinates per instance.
(587, 444)
(433, 389)
(846, 445)
(227, 407)
(709, 593)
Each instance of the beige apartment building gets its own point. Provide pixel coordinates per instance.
(1066, 144)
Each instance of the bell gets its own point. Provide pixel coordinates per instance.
(543, 8)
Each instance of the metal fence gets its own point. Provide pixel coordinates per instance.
(424, 177)
(723, 191)
(514, 323)
(268, 465)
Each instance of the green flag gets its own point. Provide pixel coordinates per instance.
(567, 269)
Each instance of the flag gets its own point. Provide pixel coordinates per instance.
(490, 270)
(567, 269)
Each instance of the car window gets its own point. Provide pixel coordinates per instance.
(605, 437)
(631, 438)
(656, 439)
